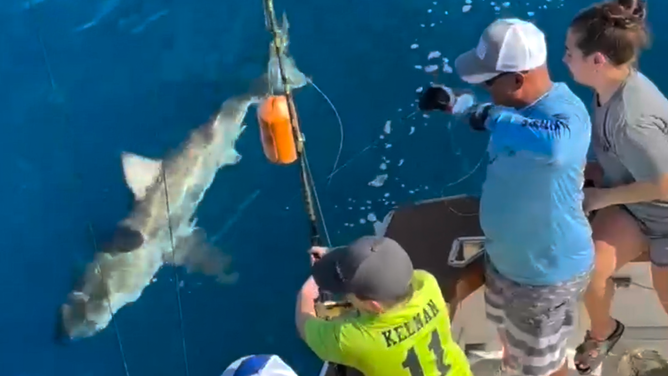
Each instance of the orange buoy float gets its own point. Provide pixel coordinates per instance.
(276, 132)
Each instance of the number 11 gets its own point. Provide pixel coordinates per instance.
(412, 363)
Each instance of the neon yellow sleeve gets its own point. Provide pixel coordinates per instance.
(325, 340)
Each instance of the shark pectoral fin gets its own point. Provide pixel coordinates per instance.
(140, 173)
(197, 255)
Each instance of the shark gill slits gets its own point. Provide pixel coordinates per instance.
(276, 134)
(126, 240)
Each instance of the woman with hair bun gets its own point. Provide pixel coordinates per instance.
(630, 171)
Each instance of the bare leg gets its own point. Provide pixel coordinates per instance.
(504, 349)
(617, 240)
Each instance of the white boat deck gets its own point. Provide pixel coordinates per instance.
(636, 306)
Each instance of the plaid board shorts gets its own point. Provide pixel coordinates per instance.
(534, 321)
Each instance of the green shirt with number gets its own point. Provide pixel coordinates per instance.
(412, 339)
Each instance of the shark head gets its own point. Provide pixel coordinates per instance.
(87, 310)
(82, 317)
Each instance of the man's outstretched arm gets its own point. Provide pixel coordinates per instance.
(511, 130)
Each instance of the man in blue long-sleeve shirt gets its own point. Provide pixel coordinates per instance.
(539, 247)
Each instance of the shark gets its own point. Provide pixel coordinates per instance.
(161, 229)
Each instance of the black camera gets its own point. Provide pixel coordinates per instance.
(437, 97)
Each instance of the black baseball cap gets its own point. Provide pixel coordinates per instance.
(373, 268)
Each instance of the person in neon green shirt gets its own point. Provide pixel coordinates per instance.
(402, 327)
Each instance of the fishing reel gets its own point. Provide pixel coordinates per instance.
(437, 97)
(445, 99)
(330, 309)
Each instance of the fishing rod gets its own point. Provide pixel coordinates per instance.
(278, 44)
(286, 147)
(283, 141)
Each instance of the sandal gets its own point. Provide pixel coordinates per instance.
(591, 353)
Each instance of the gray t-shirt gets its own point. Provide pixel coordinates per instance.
(630, 141)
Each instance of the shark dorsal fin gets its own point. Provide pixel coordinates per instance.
(140, 172)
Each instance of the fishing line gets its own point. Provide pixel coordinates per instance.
(344, 165)
(375, 144)
(410, 115)
(352, 159)
(46, 61)
(338, 118)
(359, 153)
(108, 301)
(55, 92)
(308, 186)
(466, 176)
(278, 45)
(177, 280)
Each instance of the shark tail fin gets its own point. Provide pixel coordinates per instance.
(294, 77)
(199, 256)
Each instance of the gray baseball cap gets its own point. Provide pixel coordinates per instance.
(374, 268)
(507, 45)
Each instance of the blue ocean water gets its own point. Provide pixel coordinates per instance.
(84, 81)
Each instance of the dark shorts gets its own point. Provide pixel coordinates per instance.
(535, 321)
